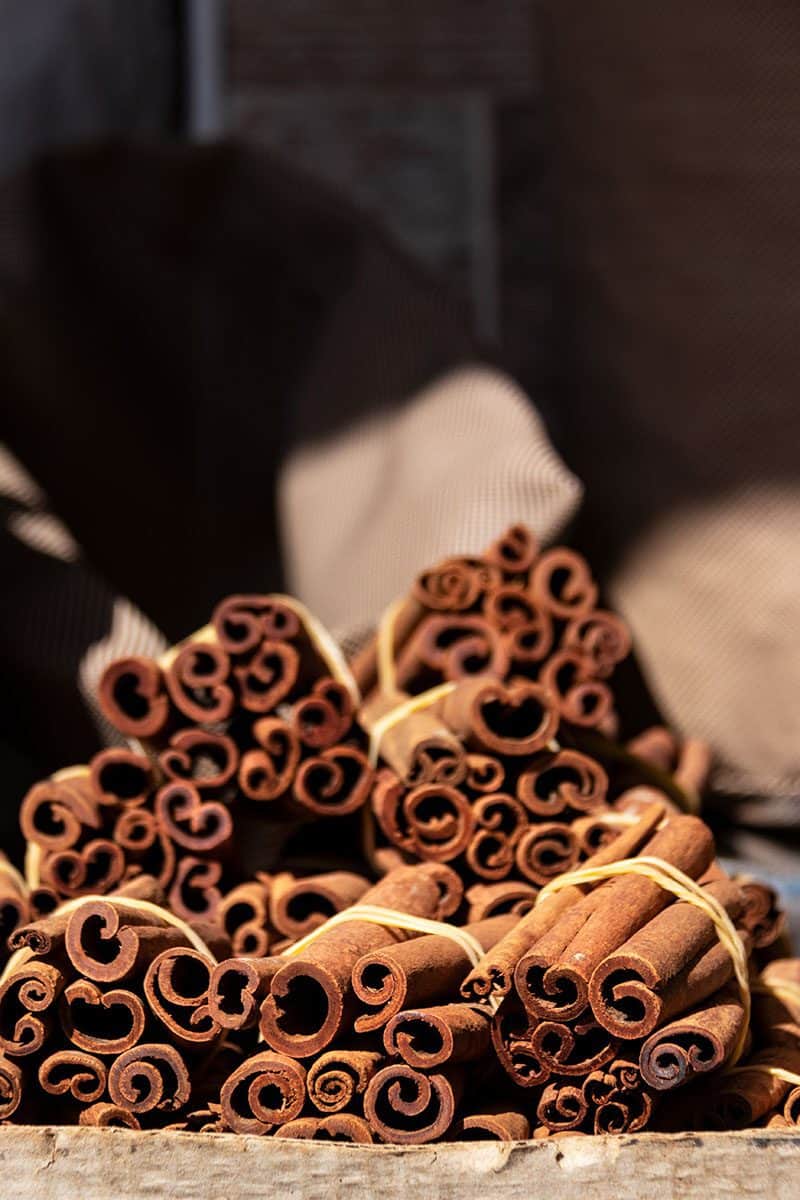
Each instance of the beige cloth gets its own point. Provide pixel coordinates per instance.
(362, 512)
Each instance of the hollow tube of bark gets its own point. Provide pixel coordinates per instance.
(311, 998)
(408, 1108)
(653, 975)
(494, 974)
(552, 979)
(420, 971)
(337, 1078)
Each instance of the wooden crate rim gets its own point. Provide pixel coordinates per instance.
(45, 1162)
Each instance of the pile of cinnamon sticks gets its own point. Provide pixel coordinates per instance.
(177, 962)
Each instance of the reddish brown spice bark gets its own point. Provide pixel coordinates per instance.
(266, 1090)
(427, 1038)
(553, 978)
(420, 971)
(409, 1108)
(311, 998)
(339, 1077)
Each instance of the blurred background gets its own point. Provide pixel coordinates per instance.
(427, 123)
(232, 221)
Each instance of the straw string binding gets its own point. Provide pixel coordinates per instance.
(125, 904)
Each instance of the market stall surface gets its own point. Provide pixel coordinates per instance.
(45, 1162)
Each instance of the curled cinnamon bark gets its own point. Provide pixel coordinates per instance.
(73, 1071)
(452, 648)
(333, 783)
(562, 1106)
(108, 1116)
(206, 760)
(698, 1042)
(663, 969)
(56, 814)
(514, 551)
(763, 916)
(736, 1100)
(561, 583)
(495, 1123)
(197, 682)
(150, 1076)
(94, 868)
(27, 1000)
(495, 972)
(266, 1090)
(243, 914)
(337, 1078)
(616, 1097)
(242, 622)
(430, 1037)
(46, 933)
(267, 772)
(11, 1087)
(268, 676)
(342, 1127)
(133, 697)
(484, 774)
(500, 823)
(546, 850)
(323, 718)
(600, 636)
(420, 748)
(408, 1108)
(453, 585)
(516, 720)
(193, 823)
(567, 779)
(108, 947)
(511, 1041)
(497, 899)
(553, 978)
(791, 1107)
(237, 988)
(297, 906)
(432, 821)
(121, 778)
(176, 987)
(136, 831)
(574, 1049)
(509, 608)
(194, 894)
(569, 680)
(311, 997)
(101, 1022)
(420, 971)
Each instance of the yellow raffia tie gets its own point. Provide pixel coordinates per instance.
(207, 634)
(325, 644)
(387, 679)
(10, 871)
(400, 712)
(684, 888)
(33, 865)
(126, 904)
(393, 918)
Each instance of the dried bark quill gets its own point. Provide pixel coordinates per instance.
(315, 901)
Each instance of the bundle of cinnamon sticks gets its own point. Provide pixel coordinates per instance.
(430, 970)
